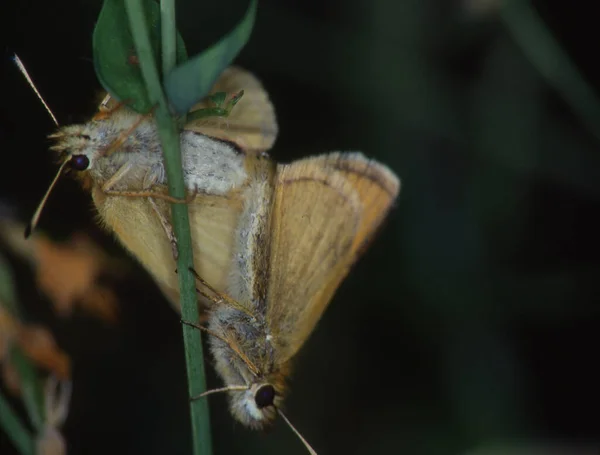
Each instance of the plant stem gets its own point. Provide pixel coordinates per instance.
(169, 136)
(554, 64)
(10, 423)
(168, 36)
(31, 390)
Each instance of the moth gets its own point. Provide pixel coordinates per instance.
(302, 227)
(117, 156)
(272, 242)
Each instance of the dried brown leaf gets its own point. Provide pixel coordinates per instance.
(68, 274)
(36, 343)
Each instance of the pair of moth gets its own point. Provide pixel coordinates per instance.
(272, 242)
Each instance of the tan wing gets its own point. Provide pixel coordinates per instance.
(325, 211)
(213, 220)
(251, 124)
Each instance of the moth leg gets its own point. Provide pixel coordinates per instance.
(111, 182)
(232, 345)
(152, 177)
(151, 194)
(105, 112)
(119, 141)
(167, 228)
(204, 329)
(218, 298)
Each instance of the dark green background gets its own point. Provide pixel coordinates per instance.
(473, 319)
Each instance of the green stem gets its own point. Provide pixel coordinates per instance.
(546, 54)
(168, 35)
(169, 136)
(10, 423)
(32, 392)
(30, 386)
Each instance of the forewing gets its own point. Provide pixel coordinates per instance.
(251, 124)
(213, 221)
(325, 211)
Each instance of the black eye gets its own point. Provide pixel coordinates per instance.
(80, 162)
(264, 396)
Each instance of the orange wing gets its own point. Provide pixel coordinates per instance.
(251, 124)
(213, 221)
(325, 211)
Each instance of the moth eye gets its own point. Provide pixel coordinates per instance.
(80, 162)
(264, 396)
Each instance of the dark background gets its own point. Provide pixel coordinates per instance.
(471, 322)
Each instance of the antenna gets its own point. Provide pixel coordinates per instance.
(38, 211)
(304, 441)
(221, 389)
(24, 72)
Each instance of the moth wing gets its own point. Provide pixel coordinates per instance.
(213, 221)
(251, 124)
(325, 211)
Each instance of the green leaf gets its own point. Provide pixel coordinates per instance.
(7, 292)
(33, 396)
(32, 392)
(189, 83)
(9, 421)
(16, 431)
(218, 98)
(115, 60)
(220, 108)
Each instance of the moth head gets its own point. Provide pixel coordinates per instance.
(256, 407)
(259, 405)
(81, 145)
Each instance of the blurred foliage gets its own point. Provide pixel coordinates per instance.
(471, 322)
(115, 59)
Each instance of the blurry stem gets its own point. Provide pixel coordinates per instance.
(546, 54)
(169, 137)
(30, 386)
(168, 36)
(14, 429)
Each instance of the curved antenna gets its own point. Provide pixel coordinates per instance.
(24, 72)
(38, 211)
(304, 441)
(221, 389)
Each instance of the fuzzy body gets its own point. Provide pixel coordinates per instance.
(301, 228)
(124, 154)
(128, 142)
(249, 336)
(247, 357)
